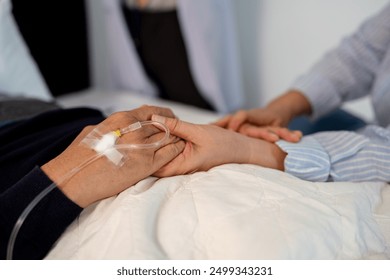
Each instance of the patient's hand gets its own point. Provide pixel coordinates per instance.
(260, 123)
(209, 145)
(102, 178)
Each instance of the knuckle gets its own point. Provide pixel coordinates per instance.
(150, 109)
(117, 116)
(175, 124)
(88, 128)
(241, 113)
(145, 106)
(165, 111)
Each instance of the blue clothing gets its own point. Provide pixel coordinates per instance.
(335, 120)
(359, 66)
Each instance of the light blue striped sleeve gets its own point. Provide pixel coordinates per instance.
(340, 156)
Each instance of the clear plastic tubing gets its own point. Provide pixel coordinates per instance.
(42, 194)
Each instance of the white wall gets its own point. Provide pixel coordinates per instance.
(281, 39)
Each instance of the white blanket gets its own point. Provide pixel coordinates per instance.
(232, 212)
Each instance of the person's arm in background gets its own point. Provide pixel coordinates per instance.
(344, 73)
(349, 71)
(99, 180)
(333, 156)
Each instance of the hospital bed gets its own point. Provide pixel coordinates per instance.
(233, 211)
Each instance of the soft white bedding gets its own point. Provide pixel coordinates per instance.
(232, 212)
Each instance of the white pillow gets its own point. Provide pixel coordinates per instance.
(19, 75)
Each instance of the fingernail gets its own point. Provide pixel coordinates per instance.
(158, 118)
(298, 134)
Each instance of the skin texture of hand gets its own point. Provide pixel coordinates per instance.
(269, 123)
(102, 179)
(259, 123)
(209, 145)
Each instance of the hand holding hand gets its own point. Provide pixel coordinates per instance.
(269, 123)
(260, 123)
(102, 179)
(208, 146)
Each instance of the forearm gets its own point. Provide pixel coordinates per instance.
(349, 71)
(290, 105)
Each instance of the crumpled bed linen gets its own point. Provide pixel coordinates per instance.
(231, 212)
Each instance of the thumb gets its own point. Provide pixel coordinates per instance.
(176, 127)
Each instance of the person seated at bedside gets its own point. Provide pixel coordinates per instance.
(155, 25)
(183, 51)
(352, 150)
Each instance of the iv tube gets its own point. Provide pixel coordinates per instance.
(47, 190)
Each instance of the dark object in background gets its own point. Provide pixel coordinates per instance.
(159, 42)
(56, 34)
(336, 120)
(23, 108)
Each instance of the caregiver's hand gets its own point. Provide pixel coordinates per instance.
(259, 123)
(269, 123)
(209, 145)
(102, 178)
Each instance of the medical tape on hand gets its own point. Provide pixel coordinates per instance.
(104, 142)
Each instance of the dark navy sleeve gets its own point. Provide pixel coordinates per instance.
(43, 226)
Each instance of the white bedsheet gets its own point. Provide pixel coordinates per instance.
(232, 212)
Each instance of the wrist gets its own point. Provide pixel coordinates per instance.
(55, 171)
(266, 154)
(278, 156)
(290, 105)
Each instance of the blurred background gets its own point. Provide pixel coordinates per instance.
(278, 40)
(289, 36)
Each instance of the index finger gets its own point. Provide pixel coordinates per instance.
(223, 122)
(145, 112)
(237, 120)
